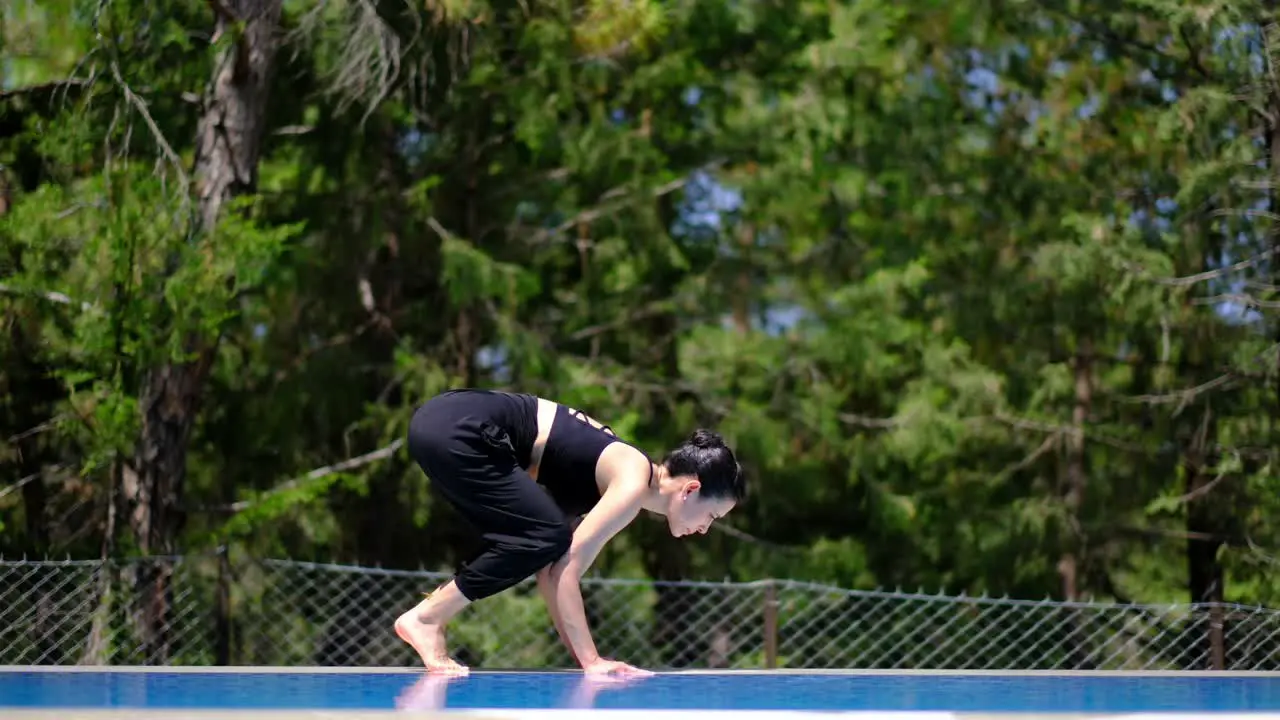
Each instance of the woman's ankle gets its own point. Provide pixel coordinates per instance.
(440, 606)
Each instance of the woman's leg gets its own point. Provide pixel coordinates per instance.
(423, 628)
(523, 529)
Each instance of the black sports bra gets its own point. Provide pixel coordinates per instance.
(568, 465)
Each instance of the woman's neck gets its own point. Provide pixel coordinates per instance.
(659, 490)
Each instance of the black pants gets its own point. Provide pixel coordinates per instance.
(473, 445)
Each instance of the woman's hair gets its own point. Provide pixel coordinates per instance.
(706, 456)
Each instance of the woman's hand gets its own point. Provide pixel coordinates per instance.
(613, 668)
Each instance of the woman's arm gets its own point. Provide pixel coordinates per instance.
(618, 507)
(548, 590)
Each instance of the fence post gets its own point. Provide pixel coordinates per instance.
(222, 610)
(1217, 641)
(770, 625)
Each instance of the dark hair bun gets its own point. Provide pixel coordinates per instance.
(706, 439)
(706, 456)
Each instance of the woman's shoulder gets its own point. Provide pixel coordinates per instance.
(622, 459)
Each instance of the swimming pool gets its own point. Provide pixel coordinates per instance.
(238, 693)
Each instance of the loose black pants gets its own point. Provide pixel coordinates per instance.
(473, 444)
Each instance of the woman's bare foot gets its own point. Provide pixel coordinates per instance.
(428, 641)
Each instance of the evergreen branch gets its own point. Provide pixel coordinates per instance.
(1240, 298)
(1261, 286)
(335, 341)
(441, 230)
(46, 425)
(56, 467)
(141, 106)
(611, 201)
(1269, 557)
(1009, 420)
(1249, 212)
(1183, 397)
(612, 379)
(652, 310)
(1207, 275)
(1049, 444)
(370, 457)
(1200, 491)
(368, 66)
(1066, 431)
(19, 485)
(1180, 535)
(1107, 34)
(873, 422)
(26, 90)
(50, 295)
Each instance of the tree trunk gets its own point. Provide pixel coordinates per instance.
(1073, 498)
(229, 136)
(227, 146)
(1205, 578)
(1073, 491)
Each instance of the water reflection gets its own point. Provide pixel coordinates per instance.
(430, 690)
(234, 689)
(427, 693)
(584, 694)
(729, 691)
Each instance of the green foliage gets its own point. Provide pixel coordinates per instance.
(924, 266)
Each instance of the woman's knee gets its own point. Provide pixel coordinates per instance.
(554, 540)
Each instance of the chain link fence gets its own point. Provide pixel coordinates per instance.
(209, 611)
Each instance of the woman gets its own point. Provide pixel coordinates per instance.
(521, 469)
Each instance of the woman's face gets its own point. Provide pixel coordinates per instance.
(688, 512)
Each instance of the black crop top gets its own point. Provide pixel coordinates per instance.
(568, 465)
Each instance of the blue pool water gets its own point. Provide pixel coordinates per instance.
(232, 690)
